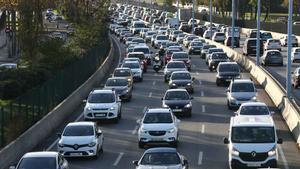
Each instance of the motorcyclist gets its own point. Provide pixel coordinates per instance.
(161, 52)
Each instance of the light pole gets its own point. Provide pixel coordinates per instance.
(258, 32)
(289, 45)
(178, 11)
(210, 17)
(193, 16)
(232, 25)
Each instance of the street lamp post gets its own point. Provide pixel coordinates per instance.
(232, 25)
(289, 45)
(210, 17)
(193, 16)
(258, 32)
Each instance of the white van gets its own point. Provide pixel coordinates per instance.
(252, 142)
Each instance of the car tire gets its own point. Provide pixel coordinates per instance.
(174, 144)
(295, 86)
(210, 69)
(218, 83)
(141, 144)
(166, 80)
(228, 105)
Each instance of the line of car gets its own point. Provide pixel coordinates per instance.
(252, 139)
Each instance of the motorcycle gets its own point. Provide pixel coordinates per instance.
(157, 64)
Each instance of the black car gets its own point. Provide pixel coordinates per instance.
(195, 47)
(182, 79)
(249, 47)
(199, 31)
(179, 101)
(236, 41)
(121, 86)
(215, 59)
(205, 49)
(226, 71)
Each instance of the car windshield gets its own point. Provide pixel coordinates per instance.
(150, 33)
(101, 98)
(181, 35)
(116, 82)
(229, 68)
(161, 159)
(177, 95)
(297, 50)
(158, 118)
(138, 40)
(266, 35)
(274, 55)
(162, 38)
(243, 87)
(178, 76)
(254, 110)
(131, 65)
(79, 131)
(215, 50)
(180, 56)
(219, 56)
(196, 44)
(175, 65)
(208, 46)
(135, 55)
(121, 73)
(253, 135)
(38, 162)
(139, 25)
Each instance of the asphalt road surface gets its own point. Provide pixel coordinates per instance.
(200, 137)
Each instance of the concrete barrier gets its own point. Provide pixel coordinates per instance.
(289, 110)
(47, 125)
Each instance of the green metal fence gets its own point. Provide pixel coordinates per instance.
(23, 112)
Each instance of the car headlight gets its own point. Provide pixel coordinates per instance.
(173, 84)
(189, 84)
(272, 152)
(92, 144)
(112, 108)
(235, 152)
(192, 48)
(88, 108)
(142, 130)
(129, 80)
(171, 130)
(188, 105)
(253, 98)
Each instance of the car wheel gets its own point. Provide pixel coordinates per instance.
(141, 144)
(229, 106)
(166, 80)
(218, 83)
(295, 86)
(174, 144)
(210, 69)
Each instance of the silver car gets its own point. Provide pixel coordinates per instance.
(173, 66)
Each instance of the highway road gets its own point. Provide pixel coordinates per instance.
(278, 72)
(200, 138)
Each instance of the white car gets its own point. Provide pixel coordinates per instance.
(162, 30)
(272, 44)
(148, 36)
(188, 39)
(219, 37)
(102, 104)
(158, 125)
(252, 142)
(45, 159)
(296, 54)
(254, 109)
(208, 33)
(173, 66)
(160, 39)
(135, 68)
(80, 139)
(143, 32)
(283, 41)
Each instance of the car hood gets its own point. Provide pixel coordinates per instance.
(100, 105)
(176, 102)
(158, 126)
(135, 70)
(175, 69)
(160, 167)
(243, 95)
(71, 140)
(256, 147)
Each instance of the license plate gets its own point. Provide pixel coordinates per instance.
(100, 115)
(176, 110)
(75, 154)
(156, 139)
(253, 165)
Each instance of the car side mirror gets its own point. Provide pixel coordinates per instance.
(193, 78)
(185, 162)
(135, 162)
(84, 101)
(272, 112)
(58, 135)
(162, 98)
(226, 140)
(12, 167)
(99, 133)
(279, 141)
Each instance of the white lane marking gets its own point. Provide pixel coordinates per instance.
(135, 130)
(203, 129)
(200, 158)
(154, 82)
(55, 142)
(118, 159)
(200, 82)
(202, 93)
(150, 94)
(197, 73)
(203, 108)
(285, 164)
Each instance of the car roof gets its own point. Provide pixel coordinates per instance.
(41, 154)
(181, 72)
(181, 52)
(254, 104)
(228, 63)
(102, 91)
(161, 149)
(81, 123)
(242, 81)
(132, 62)
(252, 121)
(175, 61)
(158, 110)
(116, 78)
(178, 90)
(122, 68)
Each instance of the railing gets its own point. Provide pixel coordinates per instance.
(21, 113)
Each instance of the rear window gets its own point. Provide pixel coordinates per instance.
(180, 56)
(162, 38)
(175, 65)
(219, 56)
(228, 68)
(274, 55)
(242, 87)
(122, 73)
(215, 50)
(144, 50)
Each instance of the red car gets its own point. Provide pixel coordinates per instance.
(142, 58)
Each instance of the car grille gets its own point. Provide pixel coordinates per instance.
(100, 114)
(100, 109)
(157, 133)
(176, 107)
(75, 146)
(243, 99)
(253, 156)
